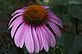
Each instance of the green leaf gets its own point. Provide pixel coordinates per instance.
(64, 2)
(75, 11)
(75, 1)
(56, 50)
(77, 46)
(25, 50)
(53, 3)
(71, 43)
(66, 41)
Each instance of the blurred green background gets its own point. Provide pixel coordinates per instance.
(69, 11)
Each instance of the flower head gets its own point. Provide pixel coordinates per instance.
(30, 26)
(34, 14)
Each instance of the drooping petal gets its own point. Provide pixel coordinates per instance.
(55, 28)
(18, 36)
(52, 15)
(46, 7)
(44, 40)
(46, 36)
(55, 21)
(36, 41)
(18, 11)
(51, 38)
(14, 28)
(15, 17)
(39, 38)
(17, 20)
(22, 38)
(29, 39)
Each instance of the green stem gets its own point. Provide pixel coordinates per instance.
(76, 26)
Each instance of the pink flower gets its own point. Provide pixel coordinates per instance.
(32, 26)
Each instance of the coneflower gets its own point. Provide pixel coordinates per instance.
(29, 27)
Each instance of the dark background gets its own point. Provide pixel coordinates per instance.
(69, 11)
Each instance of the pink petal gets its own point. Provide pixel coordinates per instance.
(17, 20)
(18, 36)
(18, 11)
(46, 7)
(46, 36)
(29, 39)
(51, 38)
(15, 17)
(56, 22)
(52, 15)
(44, 40)
(36, 41)
(15, 26)
(22, 38)
(55, 28)
(39, 38)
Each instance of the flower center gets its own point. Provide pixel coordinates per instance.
(35, 14)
